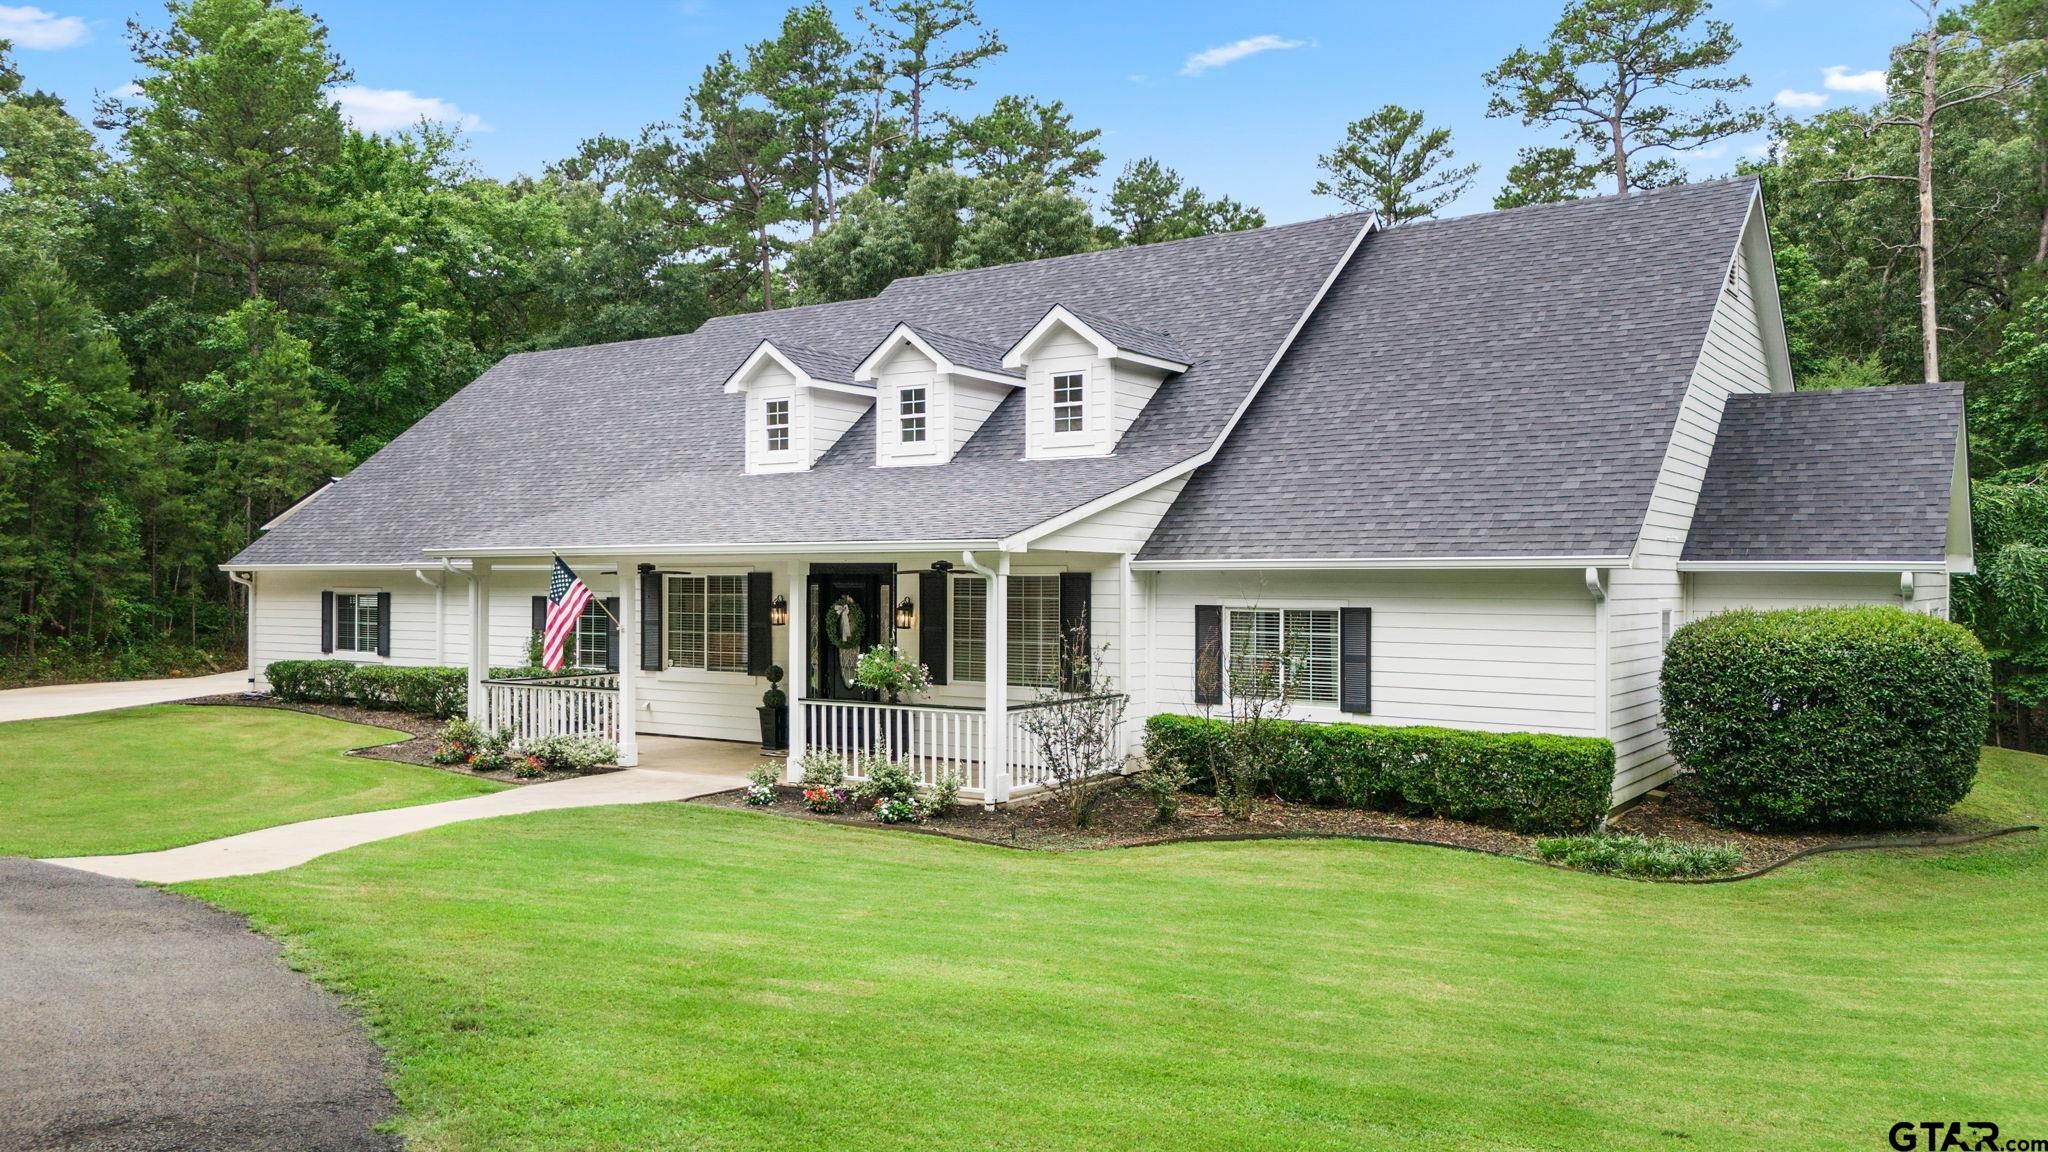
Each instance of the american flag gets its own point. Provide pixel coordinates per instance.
(567, 596)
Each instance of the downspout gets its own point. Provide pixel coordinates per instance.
(248, 580)
(440, 588)
(1596, 587)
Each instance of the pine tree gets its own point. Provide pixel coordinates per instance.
(1390, 163)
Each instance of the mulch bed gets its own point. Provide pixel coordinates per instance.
(417, 748)
(1125, 819)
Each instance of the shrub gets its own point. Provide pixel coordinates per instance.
(945, 795)
(886, 780)
(433, 691)
(493, 752)
(1867, 717)
(761, 785)
(1530, 781)
(373, 686)
(1162, 782)
(457, 741)
(310, 681)
(1657, 857)
(820, 770)
(570, 753)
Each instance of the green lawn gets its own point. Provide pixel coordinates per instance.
(689, 977)
(146, 778)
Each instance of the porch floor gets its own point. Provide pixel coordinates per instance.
(733, 758)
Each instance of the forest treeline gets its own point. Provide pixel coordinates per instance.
(227, 294)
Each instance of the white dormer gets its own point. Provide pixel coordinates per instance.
(932, 392)
(799, 402)
(1086, 380)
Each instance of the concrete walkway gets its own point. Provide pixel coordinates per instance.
(72, 699)
(681, 769)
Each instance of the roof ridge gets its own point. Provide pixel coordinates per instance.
(1665, 192)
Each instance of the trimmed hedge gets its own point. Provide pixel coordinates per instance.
(1819, 717)
(1530, 781)
(426, 691)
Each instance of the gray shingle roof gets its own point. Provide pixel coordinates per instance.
(635, 444)
(1133, 337)
(1855, 475)
(1495, 385)
(966, 352)
(820, 363)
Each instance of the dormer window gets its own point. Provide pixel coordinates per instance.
(778, 425)
(1069, 392)
(910, 411)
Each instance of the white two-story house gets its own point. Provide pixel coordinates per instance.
(1468, 472)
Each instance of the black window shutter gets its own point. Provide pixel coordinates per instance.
(383, 623)
(611, 633)
(1208, 653)
(327, 621)
(1077, 650)
(931, 624)
(650, 620)
(1355, 656)
(760, 633)
(540, 619)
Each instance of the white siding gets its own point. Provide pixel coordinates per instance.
(955, 408)
(1710, 592)
(831, 414)
(1062, 351)
(1121, 528)
(1503, 651)
(1733, 360)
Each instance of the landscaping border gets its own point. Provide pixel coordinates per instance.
(1939, 840)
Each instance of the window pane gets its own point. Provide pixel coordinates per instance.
(1311, 650)
(593, 637)
(725, 623)
(778, 425)
(368, 626)
(1034, 631)
(685, 622)
(1254, 651)
(1068, 389)
(970, 628)
(345, 623)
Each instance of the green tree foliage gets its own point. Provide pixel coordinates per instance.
(1546, 175)
(1149, 203)
(231, 136)
(919, 47)
(1391, 163)
(1026, 142)
(68, 454)
(1606, 76)
(2006, 602)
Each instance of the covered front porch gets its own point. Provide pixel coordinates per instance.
(690, 643)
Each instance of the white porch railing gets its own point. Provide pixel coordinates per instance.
(930, 739)
(556, 706)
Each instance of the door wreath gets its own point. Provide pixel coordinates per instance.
(847, 627)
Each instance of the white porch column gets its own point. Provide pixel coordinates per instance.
(797, 671)
(996, 682)
(479, 640)
(629, 663)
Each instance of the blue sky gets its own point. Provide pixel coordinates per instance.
(1276, 86)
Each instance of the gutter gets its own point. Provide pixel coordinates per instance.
(1381, 564)
(611, 551)
(1816, 566)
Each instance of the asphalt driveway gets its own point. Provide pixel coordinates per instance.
(134, 1019)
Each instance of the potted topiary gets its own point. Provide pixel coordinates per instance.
(774, 712)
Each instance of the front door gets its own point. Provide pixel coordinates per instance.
(847, 621)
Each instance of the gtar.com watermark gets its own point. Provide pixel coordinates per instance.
(1959, 1136)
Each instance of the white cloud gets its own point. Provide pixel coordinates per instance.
(1217, 57)
(1760, 149)
(393, 109)
(1840, 79)
(1793, 98)
(36, 28)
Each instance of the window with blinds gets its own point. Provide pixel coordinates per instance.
(706, 623)
(356, 623)
(970, 628)
(1298, 648)
(1034, 630)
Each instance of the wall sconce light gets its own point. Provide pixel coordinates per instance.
(778, 612)
(906, 614)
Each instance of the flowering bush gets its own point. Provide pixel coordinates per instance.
(829, 799)
(821, 770)
(761, 785)
(899, 810)
(570, 753)
(529, 767)
(457, 741)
